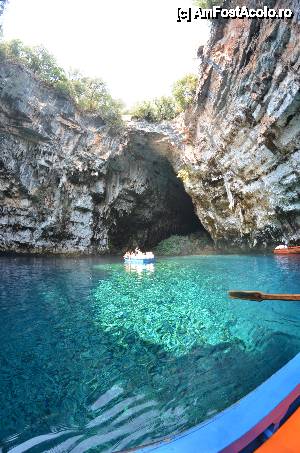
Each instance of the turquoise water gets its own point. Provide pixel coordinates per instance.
(98, 356)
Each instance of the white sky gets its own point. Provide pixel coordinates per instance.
(135, 46)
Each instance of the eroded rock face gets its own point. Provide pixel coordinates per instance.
(243, 159)
(68, 184)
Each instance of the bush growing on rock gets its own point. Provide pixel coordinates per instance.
(184, 91)
(207, 3)
(156, 110)
(37, 59)
(183, 175)
(165, 108)
(168, 107)
(89, 94)
(144, 111)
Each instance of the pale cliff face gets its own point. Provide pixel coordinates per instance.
(70, 184)
(244, 157)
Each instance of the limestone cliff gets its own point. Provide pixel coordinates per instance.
(69, 183)
(243, 160)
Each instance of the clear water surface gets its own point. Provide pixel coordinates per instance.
(96, 356)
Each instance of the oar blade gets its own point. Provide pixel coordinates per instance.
(246, 295)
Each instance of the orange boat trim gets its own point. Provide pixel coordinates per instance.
(288, 251)
(286, 439)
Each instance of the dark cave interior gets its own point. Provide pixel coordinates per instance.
(161, 209)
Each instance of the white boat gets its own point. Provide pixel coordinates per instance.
(139, 258)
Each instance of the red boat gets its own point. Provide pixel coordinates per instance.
(287, 250)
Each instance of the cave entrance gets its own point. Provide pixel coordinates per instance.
(153, 204)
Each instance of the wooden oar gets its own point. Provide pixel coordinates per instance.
(258, 296)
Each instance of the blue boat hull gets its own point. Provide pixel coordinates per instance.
(242, 425)
(139, 261)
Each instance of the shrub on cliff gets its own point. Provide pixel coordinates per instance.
(143, 111)
(207, 3)
(184, 91)
(167, 107)
(90, 95)
(156, 110)
(37, 58)
(184, 175)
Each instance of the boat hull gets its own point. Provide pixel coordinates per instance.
(288, 251)
(139, 261)
(246, 423)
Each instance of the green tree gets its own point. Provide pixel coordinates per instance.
(144, 110)
(184, 91)
(13, 49)
(167, 107)
(156, 110)
(37, 58)
(42, 63)
(164, 108)
(207, 3)
(90, 94)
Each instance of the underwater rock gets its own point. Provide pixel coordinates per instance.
(69, 183)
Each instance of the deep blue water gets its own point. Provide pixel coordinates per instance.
(98, 356)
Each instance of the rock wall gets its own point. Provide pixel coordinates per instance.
(243, 159)
(70, 184)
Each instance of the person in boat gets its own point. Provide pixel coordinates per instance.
(281, 246)
(138, 254)
(129, 254)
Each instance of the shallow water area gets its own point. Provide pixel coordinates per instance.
(99, 355)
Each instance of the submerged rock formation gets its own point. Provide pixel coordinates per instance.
(244, 158)
(69, 183)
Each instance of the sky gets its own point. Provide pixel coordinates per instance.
(136, 46)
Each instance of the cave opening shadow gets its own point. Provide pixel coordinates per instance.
(159, 205)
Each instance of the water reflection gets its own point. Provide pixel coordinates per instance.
(285, 262)
(97, 357)
(140, 268)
